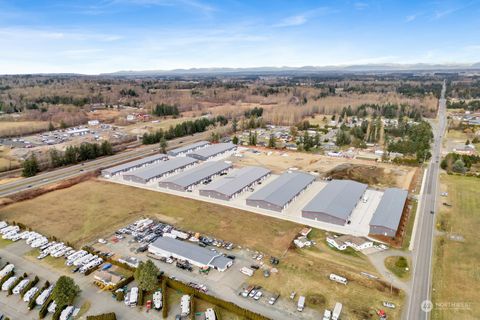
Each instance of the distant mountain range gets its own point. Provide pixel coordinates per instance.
(305, 70)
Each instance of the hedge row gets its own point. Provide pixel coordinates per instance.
(44, 309)
(164, 298)
(105, 316)
(29, 286)
(109, 259)
(192, 307)
(123, 283)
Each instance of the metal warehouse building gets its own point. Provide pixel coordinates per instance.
(188, 179)
(196, 255)
(387, 217)
(160, 170)
(212, 151)
(129, 166)
(278, 194)
(335, 203)
(235, 183)
(189, 148)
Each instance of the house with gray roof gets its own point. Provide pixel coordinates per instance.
(188, 179)
(194, 254)
(212, 151)
(387, 216)
(188, 148)
(160, 170)
(279, 193)
(335, 202)
(235, 183)
(133, 165)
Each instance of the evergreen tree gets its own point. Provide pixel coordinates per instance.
(146, 275)
(30, 167)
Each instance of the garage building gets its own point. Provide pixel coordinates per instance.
(186, 149)
(133, 165)
(194, 254)
(335, 202)
(386, 219)
(160, 170)
(278, 194)
(212, 151)
(188, 179)
(235, 183)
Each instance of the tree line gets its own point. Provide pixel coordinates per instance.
(183, 129)
(165, 110)
(416, 141)
(76, 154)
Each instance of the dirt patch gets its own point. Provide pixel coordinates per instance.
(371, 175)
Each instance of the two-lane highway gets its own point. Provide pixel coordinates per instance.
(79, 169)
(419, 304)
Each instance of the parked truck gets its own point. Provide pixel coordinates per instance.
(301, 303)
(337, 311)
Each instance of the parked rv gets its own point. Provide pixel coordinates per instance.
(301, 304)
(337, 310)
(337, 278)
(185, 305)
(20, 286)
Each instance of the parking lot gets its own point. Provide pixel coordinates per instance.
(226, 285)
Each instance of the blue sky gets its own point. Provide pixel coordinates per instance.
(109, 35)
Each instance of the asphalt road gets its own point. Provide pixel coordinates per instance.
(419, 304)
(79, 169)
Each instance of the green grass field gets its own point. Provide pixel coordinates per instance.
(456, 264)
(399, 266)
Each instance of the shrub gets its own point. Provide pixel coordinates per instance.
(401, 263)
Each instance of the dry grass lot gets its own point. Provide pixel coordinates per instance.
(306, 272)
(376, 174)
(16, 128)
(91, 209)
(456, 273)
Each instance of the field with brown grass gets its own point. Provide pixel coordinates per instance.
(19, 128)
(456, 263)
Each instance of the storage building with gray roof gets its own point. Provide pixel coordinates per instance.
(335, 202)
(188, 179)
(194, 254)
(188, 148)
(212, 151)
(387, 216)
(160, 170)
(230, 186)
(279, 193)
(133, 165)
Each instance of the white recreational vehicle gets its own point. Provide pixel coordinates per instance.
(157, 300)
(20, 286)
(301, 304)
(185, 305)
(210, 314)
(337, 310)
(66, 313)
(6, 270)
(132, 300)
(337, 278)
(42, 298)
(9, 283)
(29, 294)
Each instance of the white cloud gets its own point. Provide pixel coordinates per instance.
(410, 18)
(302, 18)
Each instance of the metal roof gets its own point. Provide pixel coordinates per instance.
(192, 252)
(280, 191)
(187, 148)
(338, 198)
(136, 163)
(212, 150)
(200, 172)
(390, 208)
(238, 180)
(159, 169)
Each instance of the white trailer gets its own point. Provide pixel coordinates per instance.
(42, 298)
(185, 305)
(157, 300)
(9, 283)
(132, 301)
(6, 270)
(20, 286)
(29, 294)
(337, 278)
(301, 304)
(337, 311)
(83, 259)
(66, 313)
(3, 224)
(247, 271)
(210, 314)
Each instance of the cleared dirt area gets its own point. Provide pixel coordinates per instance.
(91, 209)
(378, 174)
(456, 255)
